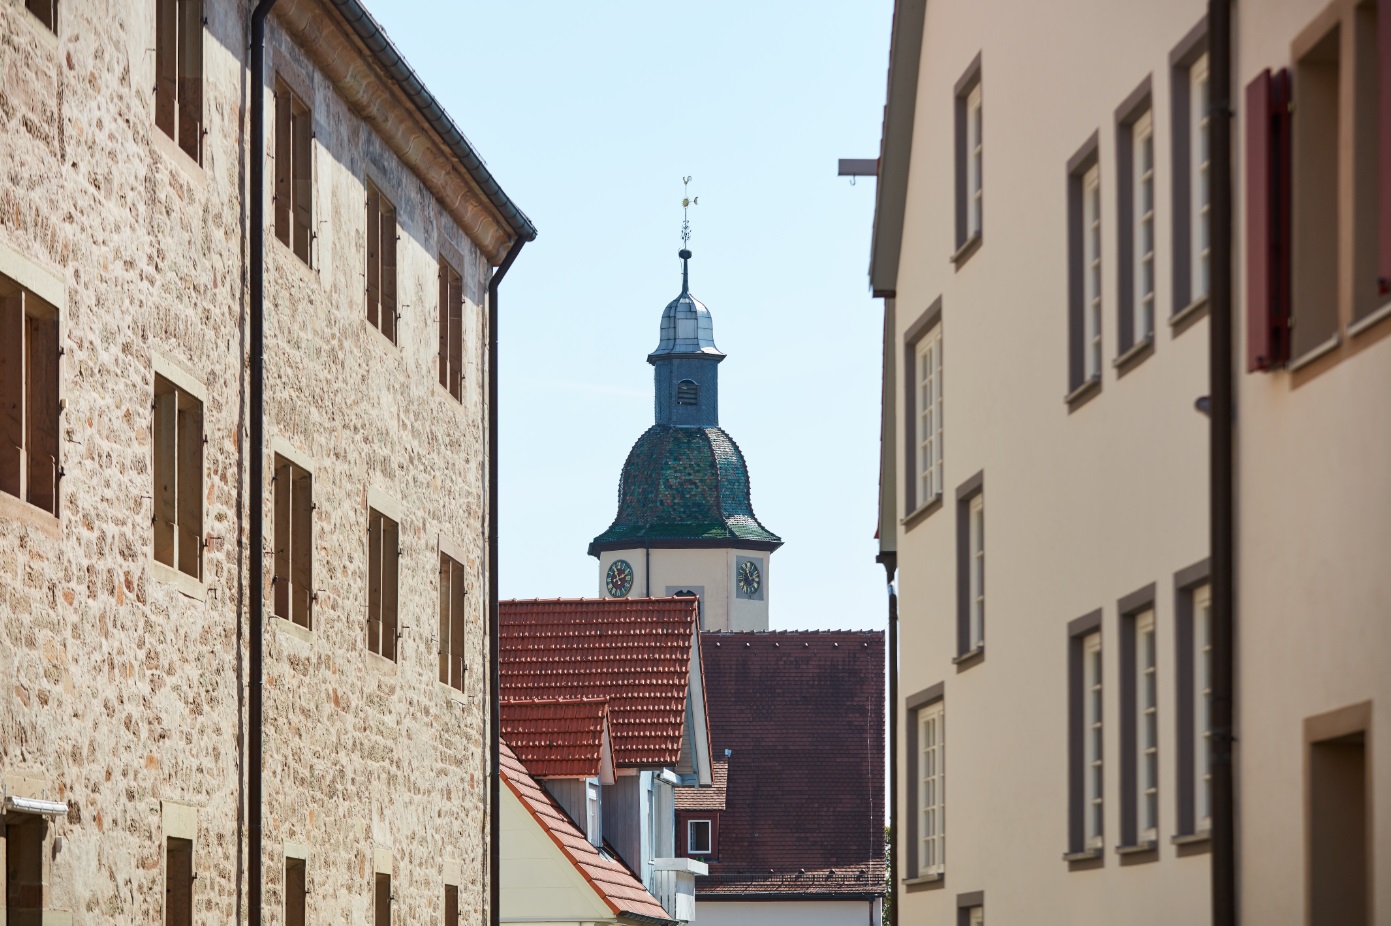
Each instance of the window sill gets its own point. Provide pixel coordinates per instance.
(291, 629)
(1083, 394)
(1086, 855)
(187, 164)
(381, 663)
(1370, 321)
(182, 582)
(451, 693)
(1134, 356)
(920, 513)
(968, 247)
(1184, 318)
(1191, 839)
(1149, 845)
(970, 658)
(1314, 353)
(924, 879)
(13, 508)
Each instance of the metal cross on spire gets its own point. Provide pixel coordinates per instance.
(686, 203)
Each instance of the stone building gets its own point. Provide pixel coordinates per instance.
(124, 464)
(1077, 322)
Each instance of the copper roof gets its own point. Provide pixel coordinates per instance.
(561, 738)
(633, 652)
(614, 883)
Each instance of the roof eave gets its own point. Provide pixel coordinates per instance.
(896, 145)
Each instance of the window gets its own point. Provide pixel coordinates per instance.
(1091, 688)
(46, 11)
(687, 393)
(1193, 703)
(383, 564)
(975, 916)
(931, 788)
(594, 812)
(451, 312)
(296, 891)
(1202, 708)
(970, 909)
(1200, 165)
(1142, 148)
(382, 898)
(294, 551)
(23, 874)
(451, 905)
(178, 478)
(698, 837)
(1140, 728)
(29, 468)
(929, 414)
(970, 569)
(453, 620)
(294, 180)
(179, 73)
(1338, 816)
(1085, 765)
(1191, 166)
(178, 882)
(969, 163)
(381, 264)
(1084, 272)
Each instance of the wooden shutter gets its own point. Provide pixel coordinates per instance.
(1384, 150)
(457, 613)
(374, 581)
(302, 160)
(12, 394)
(284, 478)
(374, 264)
(456, 337)
(165, 514)
(302, 547)
(388, 246)
(190, 77)
(190, 483)
(166, 64)
(42, 413)
(444, 619)
(1267, 221)
(391, 561)
(444, 314)
(282, 163)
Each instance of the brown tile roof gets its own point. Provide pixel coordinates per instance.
(803, 713)
(711, 798)
(560, 738)
(614, 883)
(633, 652)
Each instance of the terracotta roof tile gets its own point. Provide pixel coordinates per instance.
(803, 713)
(633, 652)
(712, 798)
(561, 738)
(614, 883)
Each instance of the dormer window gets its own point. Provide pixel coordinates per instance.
(698, 837)
(687, 393)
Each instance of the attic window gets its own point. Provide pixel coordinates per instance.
(687, 393)
(698, 837)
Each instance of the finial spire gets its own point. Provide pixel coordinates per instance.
(685, 254)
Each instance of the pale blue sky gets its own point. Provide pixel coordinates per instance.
(589, 115)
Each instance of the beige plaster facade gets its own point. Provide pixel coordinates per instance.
(1095, 494)
(123, 678)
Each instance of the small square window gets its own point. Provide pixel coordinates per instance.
(698, 837)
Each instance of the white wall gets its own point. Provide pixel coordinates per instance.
(538, 882)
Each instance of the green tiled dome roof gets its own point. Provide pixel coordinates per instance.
(685, 487)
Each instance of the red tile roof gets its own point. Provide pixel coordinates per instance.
(614, 883)
(803, 713)
(633, 652)
(562, 738)
(712, 798)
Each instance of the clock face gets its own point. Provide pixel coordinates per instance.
(749, 578)
(619, 581)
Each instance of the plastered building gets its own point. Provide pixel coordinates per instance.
(1045, 247)
(123, 522)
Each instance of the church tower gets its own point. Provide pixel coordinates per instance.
(685, 522)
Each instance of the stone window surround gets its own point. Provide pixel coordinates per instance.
(1080, 389)
(967, 243)
(928, 697)
(176, 372)
(1186, 582)
(1129, 608)
(966, 654)
(1130, 352)
(1078, 856)
(916, 511)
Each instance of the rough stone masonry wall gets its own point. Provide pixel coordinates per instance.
(119, 690)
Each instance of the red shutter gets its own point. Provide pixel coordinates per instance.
(1384, 155)
(1267, 221)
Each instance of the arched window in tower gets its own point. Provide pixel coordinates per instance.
(687, 393)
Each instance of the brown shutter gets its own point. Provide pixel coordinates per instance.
(457, 614)
(302, 548)
(12, 393)
(282, 163)
(444, 316)
(302, 159)
(389, 271)
(42, 417)
(391, 562)
(456, 337)
(444, 619)
(166, 418)
(191, 77)
(190, 479)
(1267, 221)
(374, 581)
(166, 64)
(374, 264)
(1384, 154)
(284, 477)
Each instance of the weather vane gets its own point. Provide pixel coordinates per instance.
(686, 203)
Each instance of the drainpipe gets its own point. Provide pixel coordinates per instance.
(257, 449)
(494, 611)
(889, 560)
(1221, 426)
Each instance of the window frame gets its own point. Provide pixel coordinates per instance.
(1185, 307)
(179, 74)
(1086, 741)
(292, 579)
(383, 232)
(1136, 244)
(31, 364)
(969, 148)
(709, 837)
(931, 805)
(181, 458)
(294, 146)
(1192, 588)
(928, 413)
(970, 572)
(451, 329)
(918, 707)
(383, 581)
(930, 323)
(1085, 267)
(453, 616)
(1138, 617)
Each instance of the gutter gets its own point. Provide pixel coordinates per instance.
(1222, 425)
(257, 221)
(494, 609)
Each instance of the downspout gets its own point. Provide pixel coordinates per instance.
(1221, 426)
(889, 560)
(494, 611)
(257, 452)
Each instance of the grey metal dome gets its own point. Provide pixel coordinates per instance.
(686, 324)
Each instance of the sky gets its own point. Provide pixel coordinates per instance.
(590, 115)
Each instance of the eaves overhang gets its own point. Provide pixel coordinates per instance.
(896, 145)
